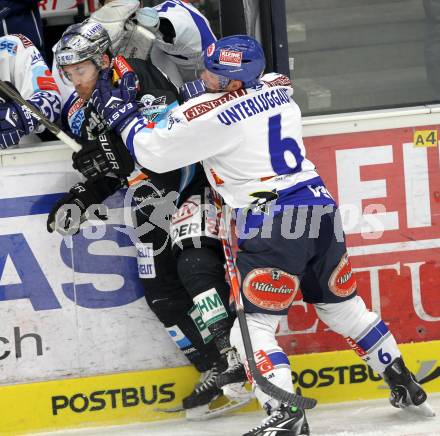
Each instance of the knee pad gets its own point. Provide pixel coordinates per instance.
(364, 331)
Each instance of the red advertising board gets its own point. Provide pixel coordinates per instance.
(392, 178)
(53, 8)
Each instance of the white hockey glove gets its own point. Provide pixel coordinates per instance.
(113, 16)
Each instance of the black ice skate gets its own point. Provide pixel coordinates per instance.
(405, 391)
(206, 390)
(286, 421)
(202, 408)
(235, 373)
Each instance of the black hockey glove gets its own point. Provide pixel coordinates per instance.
(75, 207)
(106, 154)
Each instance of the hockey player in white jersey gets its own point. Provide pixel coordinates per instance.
(173, 33)
(182, 33)
(22, 65)
(247, 132)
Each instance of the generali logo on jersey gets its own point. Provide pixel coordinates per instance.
(230, 57)
(202, 108)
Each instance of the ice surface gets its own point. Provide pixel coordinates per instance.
(363, 418)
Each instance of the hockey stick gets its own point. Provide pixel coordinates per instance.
(52, 127)
(262, 382)
(81, 15)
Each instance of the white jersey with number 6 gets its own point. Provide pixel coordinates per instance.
(249, 141)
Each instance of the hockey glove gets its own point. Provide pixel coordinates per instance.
(192, 89)
(106, 154)
(117, 106)
(75, 207)
(15, 122)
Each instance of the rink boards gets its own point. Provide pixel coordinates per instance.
(75, 326)
(136, 396)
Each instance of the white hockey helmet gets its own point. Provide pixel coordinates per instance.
(81, 42)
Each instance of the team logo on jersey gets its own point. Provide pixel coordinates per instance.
(153, 107)
(263, 200)
(270, 288)
(230, 57)
(342, 281)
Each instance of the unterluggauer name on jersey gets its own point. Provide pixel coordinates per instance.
(254, 105)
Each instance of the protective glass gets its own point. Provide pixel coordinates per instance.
(213, 81)
(199, 65)
(82, 73)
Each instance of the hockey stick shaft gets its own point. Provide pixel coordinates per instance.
(52, 127)
(262, 382)
(80, 6)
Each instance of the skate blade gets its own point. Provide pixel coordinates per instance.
(203, 413)
(171, 409)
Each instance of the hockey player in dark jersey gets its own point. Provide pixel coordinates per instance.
(186, 272)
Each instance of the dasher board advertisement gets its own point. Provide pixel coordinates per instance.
(54, 8)
(78, 309)
(69, 306)
(387, 183)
